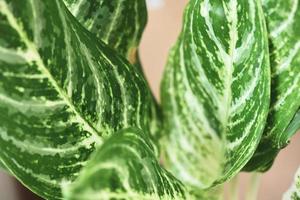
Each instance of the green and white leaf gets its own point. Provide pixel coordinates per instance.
(119, 24)
(294, 192)
(216, 91)
(61, 93)
(125, 167)
(283, 19)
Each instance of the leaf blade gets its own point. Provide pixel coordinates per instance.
(56, 104)
(125, 167)
(215, 87)
(283, 22)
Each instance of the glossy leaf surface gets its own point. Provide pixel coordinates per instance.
(125, 167)
(216, 91)
(283, 19)
(61, 93)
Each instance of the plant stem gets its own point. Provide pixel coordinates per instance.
(253, 187)
(234, 188)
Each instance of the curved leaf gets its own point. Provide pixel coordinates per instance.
(120, 25)
(294, 192)
(216, 91)
(125, 167)
(61, 92)
(283, 19)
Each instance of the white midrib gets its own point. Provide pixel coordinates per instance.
(44, 70)
(229, 61)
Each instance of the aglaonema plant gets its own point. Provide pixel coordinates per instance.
(78, 120)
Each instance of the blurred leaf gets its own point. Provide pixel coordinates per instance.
(294, 192)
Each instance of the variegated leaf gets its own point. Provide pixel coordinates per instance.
(283, 19)
(120, 25)
(294, 192)
(61, 93)
(216, 91)
(125, 167)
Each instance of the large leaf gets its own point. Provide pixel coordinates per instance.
(216, 91)
(61, 93)
(283, 19)
(125, 167)
(294, 192)
(120, 25)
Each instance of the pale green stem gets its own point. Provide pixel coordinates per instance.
(253, 187)
(234, 188)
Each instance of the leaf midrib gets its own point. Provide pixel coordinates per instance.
(42, 68)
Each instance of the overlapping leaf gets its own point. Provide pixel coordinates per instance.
(125, 167)
(120, 25)
(216, 91)
(283, 19)
(61, 93)
(294, 192)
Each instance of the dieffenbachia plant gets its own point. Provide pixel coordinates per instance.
(216, 91)
(77, 118)
(294, 192)
(125, 168)
(62, 92)
(120, 25)
(283, 20)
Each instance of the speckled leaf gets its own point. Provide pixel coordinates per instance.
(61, 93)
(216, 91)
(125, 167)
(294, 192)
(120, 25)
(283, 19)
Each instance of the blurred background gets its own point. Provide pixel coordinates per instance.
(164, 24)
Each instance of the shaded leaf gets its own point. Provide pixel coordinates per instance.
(283, 19)
(216, 91)
(125, 167)
(61, 93)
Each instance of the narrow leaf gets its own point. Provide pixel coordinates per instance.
(283, 19)
(125, 167)
(216, 91)
(294, 192)
(61, 93)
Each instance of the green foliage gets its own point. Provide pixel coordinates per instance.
(216, 91)
(283, 19)
(294, 192)
(62, 93)
(125, 168)
(78, 120)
